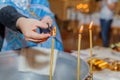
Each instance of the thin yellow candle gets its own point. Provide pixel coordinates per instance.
(52, 52)
(78, 59)
(90, 32)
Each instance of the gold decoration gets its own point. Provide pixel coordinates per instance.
(100, 64)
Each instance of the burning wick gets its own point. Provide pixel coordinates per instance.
(91, 24)
(54, 32)
(81, 29)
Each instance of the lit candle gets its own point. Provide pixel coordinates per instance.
(90, 32)
(79, 44)
(52, 51)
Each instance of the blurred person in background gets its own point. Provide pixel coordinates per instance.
(19, 19)
(106, 18)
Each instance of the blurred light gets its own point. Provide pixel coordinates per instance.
(79, 6)
(85, 6)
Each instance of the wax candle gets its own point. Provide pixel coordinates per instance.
(90, 34)
(52, 52)
(79, 45)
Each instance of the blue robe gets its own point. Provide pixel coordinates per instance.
(15, 40)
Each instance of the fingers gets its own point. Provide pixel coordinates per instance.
(41, 24)
(41, 38)
(47, 19)
(37, 36)
(33, 40)
(37, 41)
(29, 30)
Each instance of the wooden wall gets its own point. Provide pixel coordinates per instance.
(59, 7)
(117, 12)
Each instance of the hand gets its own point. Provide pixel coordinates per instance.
(47, 19)
(27, 27)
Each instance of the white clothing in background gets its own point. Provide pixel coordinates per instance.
(106, 13)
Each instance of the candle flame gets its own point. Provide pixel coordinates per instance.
(54, 31)
(91, 24)
(81, 29)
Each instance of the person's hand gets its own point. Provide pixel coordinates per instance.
(47, 19)
(28, 27)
